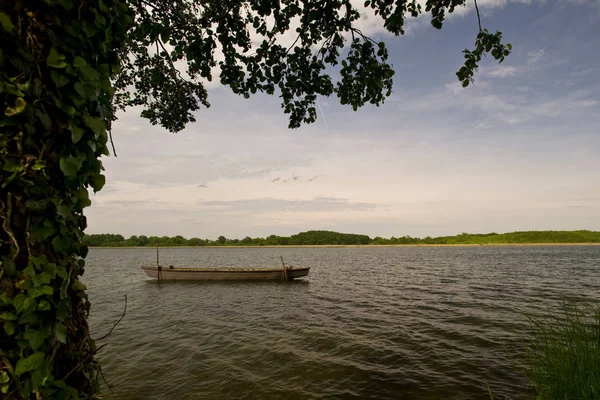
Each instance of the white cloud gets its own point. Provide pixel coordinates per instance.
(503, 71)
(535, 56)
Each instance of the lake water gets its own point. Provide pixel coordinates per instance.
(384, 323)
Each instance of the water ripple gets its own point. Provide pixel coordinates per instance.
(386, 323)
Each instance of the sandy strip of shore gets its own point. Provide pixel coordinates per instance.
(357, 246)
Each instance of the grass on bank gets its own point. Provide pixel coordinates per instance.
(563, 360)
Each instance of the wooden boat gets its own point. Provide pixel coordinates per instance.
(224, 274)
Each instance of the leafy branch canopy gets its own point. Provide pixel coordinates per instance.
(174, 45)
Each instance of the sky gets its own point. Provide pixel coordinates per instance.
(517, 150)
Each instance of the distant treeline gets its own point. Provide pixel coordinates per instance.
(336, 238)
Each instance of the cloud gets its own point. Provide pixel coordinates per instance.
(535, 56)
(503, 71)
(202, 185)
(272, 205)
(276, 179)
(314, 178)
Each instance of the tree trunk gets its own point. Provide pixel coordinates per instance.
(57, 59)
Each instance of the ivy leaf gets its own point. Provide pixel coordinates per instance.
(11, 165)
(79, 62)
(68, 167)
(64, 211)
(44, 305)
(9, 328)
(40, 291)
(55, 59)
(61, 312)
(7, 316)
(60, 243)
(36, 337)
(19, 107)
(41, 233)
(42, 278)
(86, 90)
(95, 124)
(6, 23)
(61, 332)
(23, 304)
(59, 79)
(24, 284)
(67, 393)
(40, 375)
(4, 298)
(89, 74)
(30, 363)
(98, 182)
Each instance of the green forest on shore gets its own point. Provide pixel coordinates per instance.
(310, 238)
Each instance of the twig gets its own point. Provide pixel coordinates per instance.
(293, 44)
(99, 369)
(75, 368)
(478, 16)
(11, 371)
(6, 224)
(28, 237)
(365, 37)
(112, 143)
(116, 323)
(100, 347)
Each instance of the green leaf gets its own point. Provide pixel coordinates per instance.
(61, 272)
(9, 267)
(41, 278)
(79, 62)
(7, 122)
(65, 107)
(40, 376)
(40, 291)
(29, 270)
(30, 363)
(4, 298)
(6, 23)
(98, 182)
(89, 74)
(36, 337)
(68, 167)
(7, 316)
(25, 284)
(38, 165)
(61, 311)
(20, 105)
(23, 304)
(95, 124)
(86, 90)
(61, 332)
(55, 59)
(41, 233)
(59, 79)
(64, 211)
(67, 393)
(44, 305)
(78, 285)
(9, 328)
(11, 165)
(60, 243)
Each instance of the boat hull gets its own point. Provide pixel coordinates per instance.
(223, 274)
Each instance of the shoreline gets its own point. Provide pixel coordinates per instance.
(308, 246)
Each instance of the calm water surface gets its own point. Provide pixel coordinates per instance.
(384, 323)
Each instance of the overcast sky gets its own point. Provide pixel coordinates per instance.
(518, 150)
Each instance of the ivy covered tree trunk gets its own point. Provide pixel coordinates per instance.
(57, 58)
